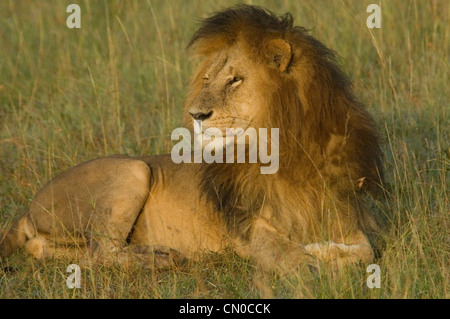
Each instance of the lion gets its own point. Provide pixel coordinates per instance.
(258, 70)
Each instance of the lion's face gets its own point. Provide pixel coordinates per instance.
(228, 92)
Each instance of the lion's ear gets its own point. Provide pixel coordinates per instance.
(279, 54)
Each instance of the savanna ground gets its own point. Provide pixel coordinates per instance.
(117, 84)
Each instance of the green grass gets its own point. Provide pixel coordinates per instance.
(117, 85)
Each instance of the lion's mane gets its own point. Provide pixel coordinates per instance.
(329, 151)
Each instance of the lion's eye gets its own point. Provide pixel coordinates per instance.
(235, 81)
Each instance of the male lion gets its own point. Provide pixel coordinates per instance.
(258, 71)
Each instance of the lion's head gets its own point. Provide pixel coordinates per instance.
(261, 71)
(233, 86)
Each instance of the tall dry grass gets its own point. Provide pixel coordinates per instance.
(117, 84)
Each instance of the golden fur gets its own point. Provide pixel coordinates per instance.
(258, 71)
(329, 153)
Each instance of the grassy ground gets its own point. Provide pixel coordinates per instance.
(117, 84)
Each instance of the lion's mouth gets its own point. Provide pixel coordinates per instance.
(214, 131)
(215, 137)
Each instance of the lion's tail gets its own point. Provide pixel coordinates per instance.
(16, 236)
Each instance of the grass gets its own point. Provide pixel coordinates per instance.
(117, 85)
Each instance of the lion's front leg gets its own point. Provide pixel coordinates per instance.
(273, 251)
(353, 249)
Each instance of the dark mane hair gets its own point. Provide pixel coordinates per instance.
(329, 150)
(250, 22)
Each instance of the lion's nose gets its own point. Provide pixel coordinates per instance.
(200, 115)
